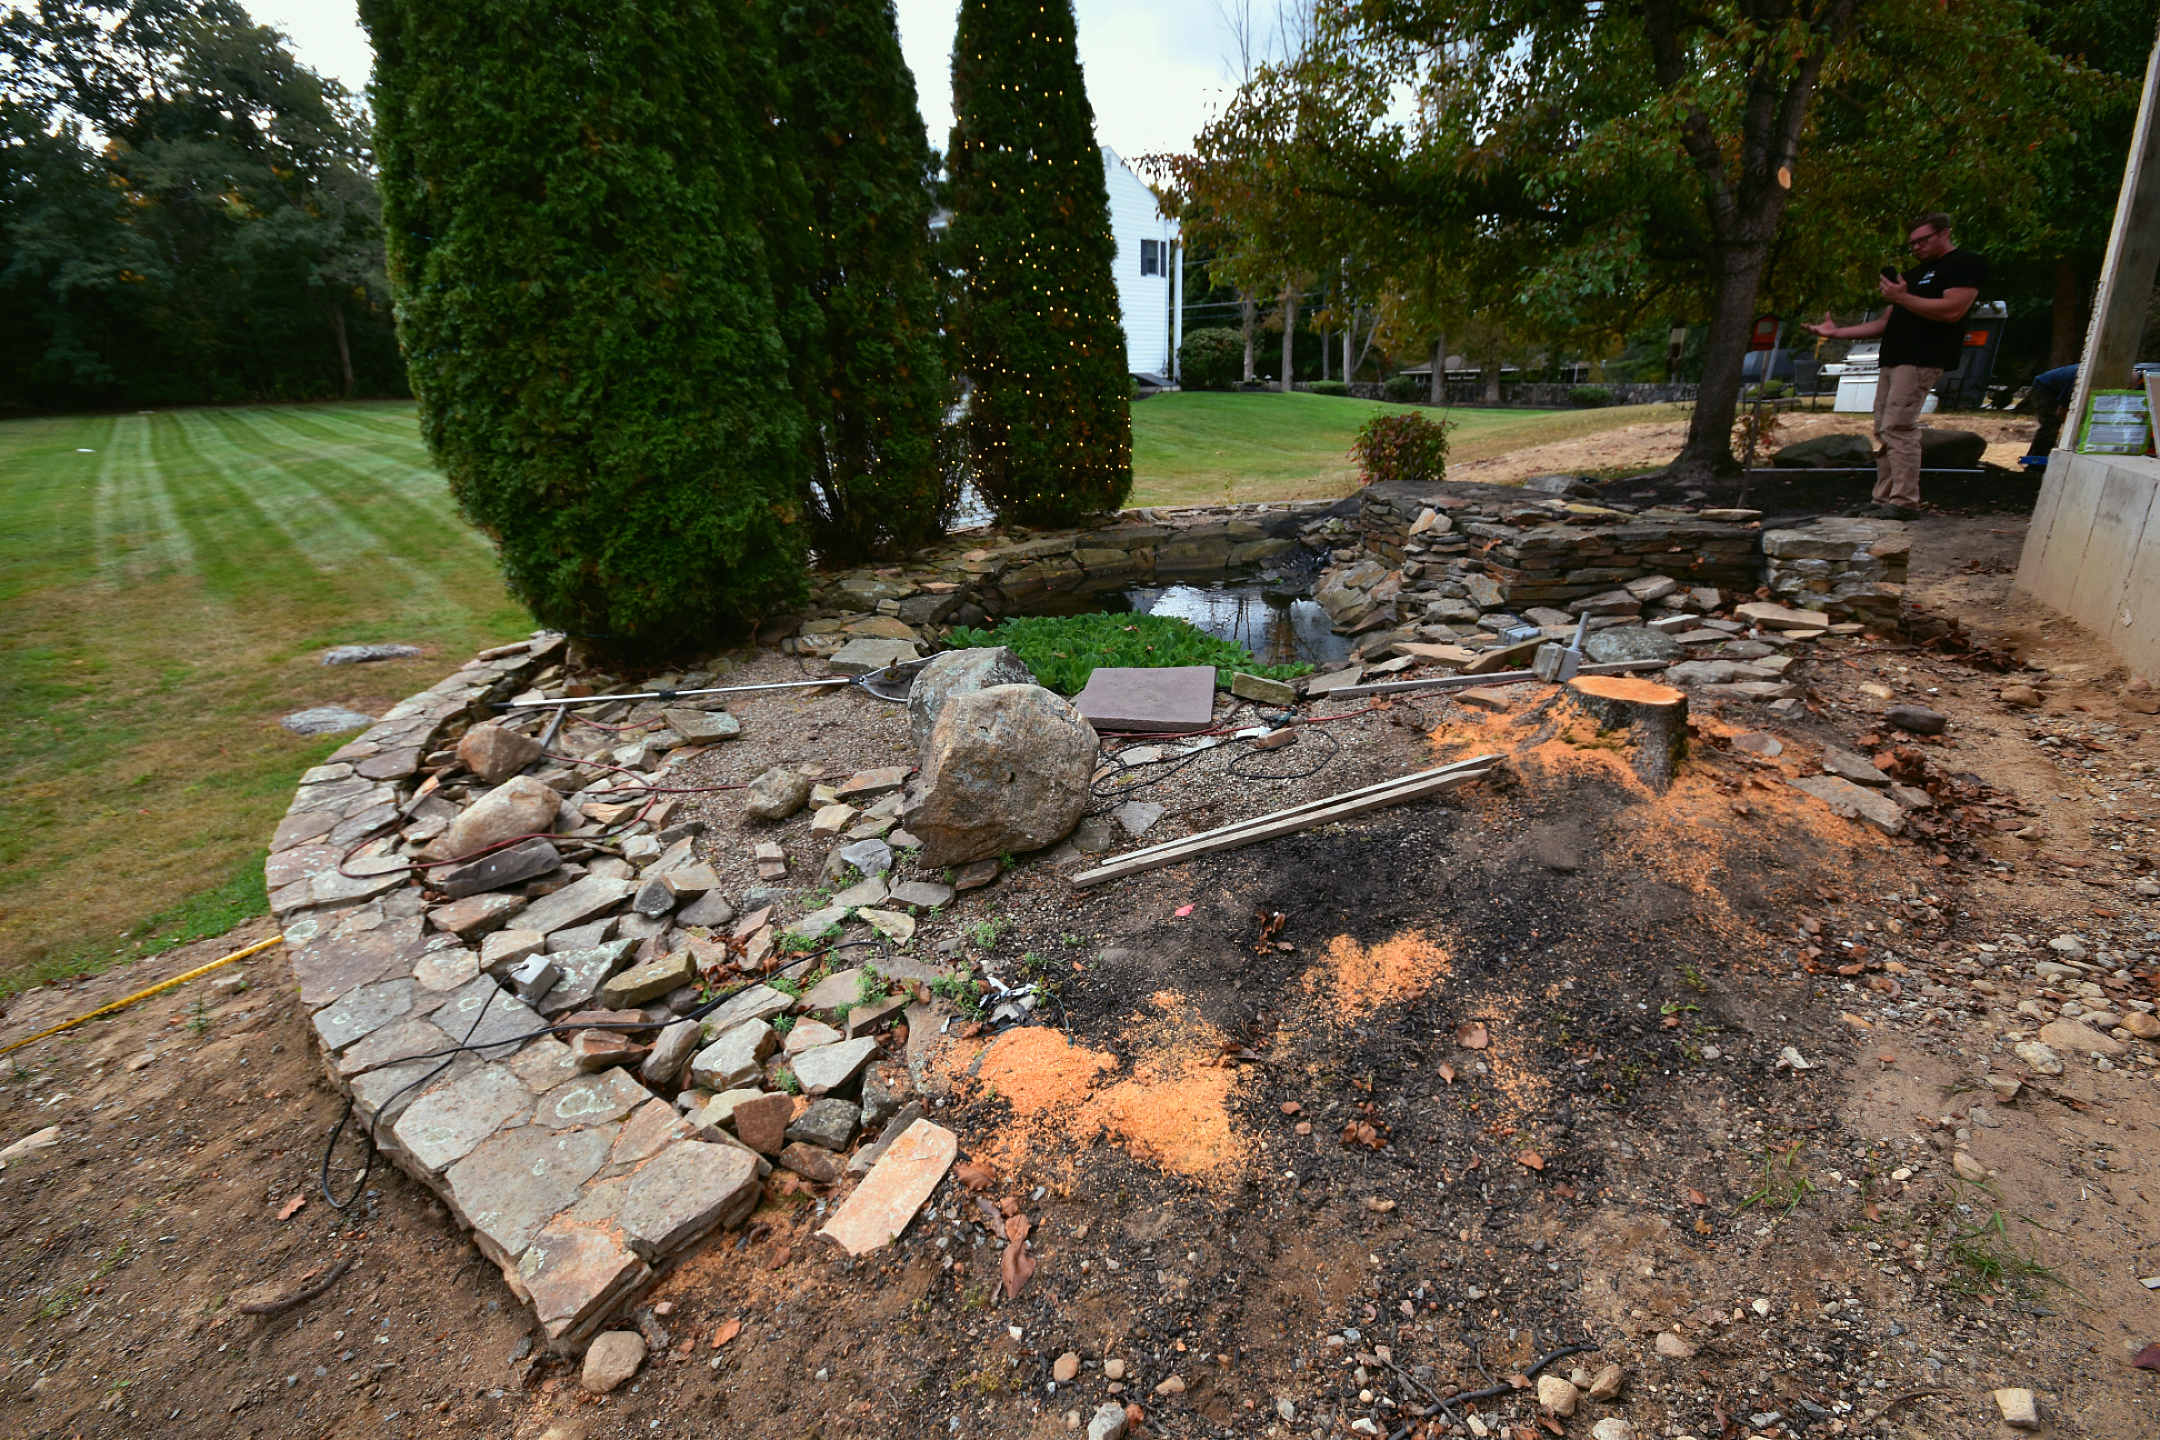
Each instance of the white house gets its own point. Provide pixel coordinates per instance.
(1150, 281)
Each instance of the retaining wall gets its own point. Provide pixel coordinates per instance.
(2093, 550)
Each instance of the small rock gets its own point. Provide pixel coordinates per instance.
(1113, 1369)
(777, 794)
(2039, 1058)
(2144, 1027)
(1108, 1422)
(702, 727)
(827, 1123)
(650, 981)
(2075, 1037)
(869, 857)
(2019, 1407)
(1612, 1427)
(495, 754)
(2068, 946)
(1967, 1167)
(43, 1139)
(2006, 1087)
(891, 924)
(762, 1123)
(232, 982)
(1262, 689)
(670, 1052)
(924, 894)
(814, 1163)
(1605, 1385)
(808, 1035)
(1138, 816)
(1557, 1395)
(1672, 1347)
(613, 1358)
(520, 805)
(1065, 1368)
(1174, 1385)
(1093, 835)
(1917, 719)
(977, 875)
(2022, 697)
(830, 820)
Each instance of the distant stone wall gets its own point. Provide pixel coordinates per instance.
(1536, 394)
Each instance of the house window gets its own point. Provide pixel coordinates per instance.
(1151, 256)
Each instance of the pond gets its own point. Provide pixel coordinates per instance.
(1277, 628)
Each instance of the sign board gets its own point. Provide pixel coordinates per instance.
(1765, 335)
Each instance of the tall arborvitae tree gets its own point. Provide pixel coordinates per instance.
(572, 193)
(875, 385)
(1049, 427)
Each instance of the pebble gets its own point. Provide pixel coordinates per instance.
(1967, 1167)
(2020, 1408)
(613, 1358)
(1612, 1427)
(1108, 1422)
(2038, 1058)
(1672, 1347)
(1113, 1369)
(1175, 1385)
(1065, 1368)
(1557, 1395)
(1606, 1384)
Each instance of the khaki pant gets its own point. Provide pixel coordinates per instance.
(1899, 394)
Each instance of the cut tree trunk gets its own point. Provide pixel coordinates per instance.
(344, 350)
(1708, 450)
(1653, 715)
(1289, 333)
(1439, 371)
(1245, 305)
(2068, 340)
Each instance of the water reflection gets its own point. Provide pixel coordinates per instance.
(1278, 630)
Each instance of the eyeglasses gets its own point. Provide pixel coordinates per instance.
(1919, 240)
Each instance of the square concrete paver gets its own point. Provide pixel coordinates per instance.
(1174, 698)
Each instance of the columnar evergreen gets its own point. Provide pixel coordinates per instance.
(1048, 432)
(571, 197)
(876, 383)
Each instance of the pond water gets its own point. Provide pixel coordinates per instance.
(1278, 629)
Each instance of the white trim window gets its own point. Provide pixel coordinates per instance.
(1151, 257)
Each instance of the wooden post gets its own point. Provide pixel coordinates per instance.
(1655, 715)
(2126, 276)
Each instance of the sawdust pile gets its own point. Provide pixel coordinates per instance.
(1359, 979)
(1171, 1109)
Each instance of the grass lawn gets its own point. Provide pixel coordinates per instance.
(167, 583)
(1204, 448)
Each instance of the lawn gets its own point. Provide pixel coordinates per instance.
(167, 584)
(1212, 448)
(169, 580)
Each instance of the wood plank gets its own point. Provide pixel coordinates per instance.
(1253, 834)
(1509, 677)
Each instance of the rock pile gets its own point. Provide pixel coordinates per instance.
(582, 1161)
(1846, 567)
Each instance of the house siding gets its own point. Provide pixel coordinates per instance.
(1144, 301)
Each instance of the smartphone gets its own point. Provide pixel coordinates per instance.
(1889, 272)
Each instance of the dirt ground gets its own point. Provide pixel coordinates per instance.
(1647, 446)
(1506, 1077)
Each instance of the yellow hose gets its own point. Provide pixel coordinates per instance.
(157, 989)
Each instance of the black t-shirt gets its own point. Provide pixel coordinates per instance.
(1910, 340)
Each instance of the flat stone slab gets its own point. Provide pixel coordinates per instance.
(579, 900)
(1765, 615)
(649, 981)
(861, 656)
(443, 1126)
(1854, 801)
(590, 1100)
(736, 1058)
(475, 915)
(829, 1067)
(367, 654)
(486, 1015)
(326, 720)
(505, 867)
(925, 894)
(364, 1011)
(514, 1183)
(894, 1190)
(391, 1044)
(1173, 698)
(759, 1002)
(687, 1191)
(576, 1274)
(327, 968)
(581, 974)
(836, 991)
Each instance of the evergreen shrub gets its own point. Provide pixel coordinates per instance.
(1336, 388)
(1048, 431)
(1211, 359)
(571, 196)
(1589, 397)
(1401, 447)
(1405, 389)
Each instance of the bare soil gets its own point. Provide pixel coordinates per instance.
(1531, 1031)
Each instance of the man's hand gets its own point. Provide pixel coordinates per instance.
(1827, 330)
(1893, 291)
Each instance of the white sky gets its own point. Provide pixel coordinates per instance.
(1156, 69)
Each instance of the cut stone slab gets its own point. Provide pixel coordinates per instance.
(590, 1100)
(924, 894)
(868, 784)
(576, 902)
(475, 915)
(1855, 802)
(759, 1002)
(762, 1121)
(829, 1067)
(1265, 691)
(649, 981)
(582, 973)
(367, 654)
(736, 1058)
(685, 1192)
(1172, 698)
(575, 1275)
(827, 1123)
(894, 1190)
(519, 863)
(1764, 615)
(702, 727)
(670, 1052)
(861, 656)
(445, 1125)
(326, 720)
(364, 1011)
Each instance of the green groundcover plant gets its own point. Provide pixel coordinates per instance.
(1063, 650)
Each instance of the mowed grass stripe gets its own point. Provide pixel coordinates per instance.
(402, 468)
(141, 764)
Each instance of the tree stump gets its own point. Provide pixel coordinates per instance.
(1654, 715)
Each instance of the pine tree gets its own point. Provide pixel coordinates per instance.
(571, 203)
(1048, 432)
(875, 389)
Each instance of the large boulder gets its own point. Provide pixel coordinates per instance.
(495, 754)
(959, 672)
(518, 806)
(1631, 642)
(1006, 769)
(1951, 449)
(1826, 452)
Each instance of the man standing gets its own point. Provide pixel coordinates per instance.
(1920, 340)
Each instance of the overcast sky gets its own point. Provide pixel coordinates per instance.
(1156, 69)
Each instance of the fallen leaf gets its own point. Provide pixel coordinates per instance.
(976, 1177)
(1182, 911)
(1696, 1197)
(1017, 1264)
(729, 1329)
(1447, 1073)
(1532, 1159)
(1473, 1163)
(1471, 1036)
(2147, 1358)
(292, 1207)
(1702, 1226)
(1551, 1424)
(1872, 1212)
(1564, 1190)
(1291, 1107)
(1519, 1380)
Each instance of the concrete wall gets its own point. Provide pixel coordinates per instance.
(2094, 550)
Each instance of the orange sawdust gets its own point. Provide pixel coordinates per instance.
(1360, 979)
(1172, 1109)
